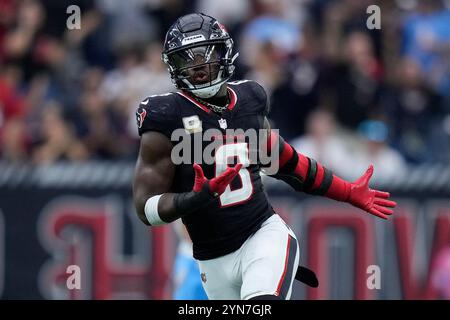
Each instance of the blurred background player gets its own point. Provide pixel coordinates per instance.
(186, 276)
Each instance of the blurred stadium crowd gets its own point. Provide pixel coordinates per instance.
(341, 93)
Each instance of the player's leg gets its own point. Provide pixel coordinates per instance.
(269, 262)
(221, 277)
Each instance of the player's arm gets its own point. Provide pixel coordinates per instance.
(153, 178)
(153, 175)
(307, 175)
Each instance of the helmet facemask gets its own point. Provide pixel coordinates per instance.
(201, 68)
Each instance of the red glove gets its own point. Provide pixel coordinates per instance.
(204, 190)
(217, 185)
(372, 201)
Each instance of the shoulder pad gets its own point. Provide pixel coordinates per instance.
(255, 91)
(156, 113)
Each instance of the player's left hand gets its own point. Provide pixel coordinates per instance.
(373, 201)
(216, 185)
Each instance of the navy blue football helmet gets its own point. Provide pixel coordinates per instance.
(199, 54)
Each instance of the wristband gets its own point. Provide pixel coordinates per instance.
(151, 211)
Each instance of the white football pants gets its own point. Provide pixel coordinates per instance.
(264, 265)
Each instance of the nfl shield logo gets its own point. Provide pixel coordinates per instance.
(203, 276)
(223, 123)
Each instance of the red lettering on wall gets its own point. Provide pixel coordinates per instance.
(323, 218)
(413, 286)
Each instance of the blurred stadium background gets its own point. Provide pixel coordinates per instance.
(341, 93)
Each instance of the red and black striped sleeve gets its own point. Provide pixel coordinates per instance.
(306, 174)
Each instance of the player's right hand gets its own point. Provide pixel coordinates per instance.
(218, 184)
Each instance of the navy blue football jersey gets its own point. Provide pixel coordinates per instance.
(222, 226)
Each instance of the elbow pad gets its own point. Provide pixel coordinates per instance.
(300, 172)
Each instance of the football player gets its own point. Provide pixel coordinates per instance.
(244, 249)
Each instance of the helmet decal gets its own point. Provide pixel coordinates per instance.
(141, 113)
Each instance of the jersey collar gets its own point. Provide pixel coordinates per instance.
(230, 106)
